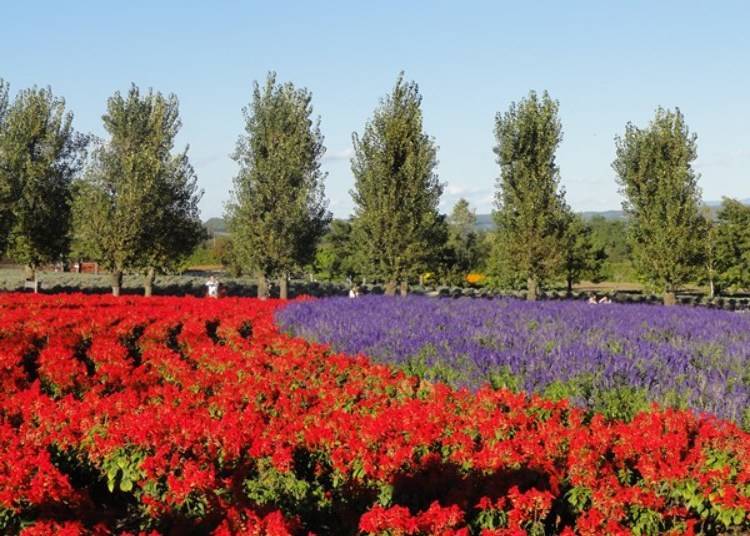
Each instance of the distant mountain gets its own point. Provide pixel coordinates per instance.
(484, 221)
(606, 214)
(216, 226)
(714, 204)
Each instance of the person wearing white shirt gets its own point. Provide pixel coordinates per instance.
(213, 287)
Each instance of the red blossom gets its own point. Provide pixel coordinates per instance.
(178, 406)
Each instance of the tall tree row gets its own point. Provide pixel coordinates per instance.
(278, 210)
(662, 200)
(397, 226)
(136, 207)
(530, 215)
(40, 154)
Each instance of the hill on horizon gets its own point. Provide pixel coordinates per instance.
(484, 221)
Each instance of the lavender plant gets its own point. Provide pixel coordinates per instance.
(611, 358)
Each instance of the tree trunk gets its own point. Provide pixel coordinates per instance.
(390, 288)
(262, 285)
(711, 288)
(404, 289)
(669, 297)
(284, 287)
(570, 286)
(148, 282)
(116, 282)
(532, 289)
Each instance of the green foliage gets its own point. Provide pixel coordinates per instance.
(278, 210)
(645, 521)
(732, 249)
(710, 273)
(174, 228)
(530, 203)
(580, 259)
(579, 497)
(398, 230)
(491, 518)
(426, 364)
(464, 249)
(610, 237)
(335, 258)
(203, 255)
(715, 518)
(503, 378)
(40, 154)
(662, 200)
(271, 486)
(122, 468)
(620, 403)
(10, 522)
(296, 491)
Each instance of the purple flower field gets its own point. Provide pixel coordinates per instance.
(611, 358)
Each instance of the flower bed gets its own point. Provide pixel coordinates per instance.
(615, 359)
(179, 416)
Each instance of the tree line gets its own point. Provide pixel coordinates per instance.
(130, 201)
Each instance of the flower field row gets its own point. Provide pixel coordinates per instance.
(615, 359)
(188, 416)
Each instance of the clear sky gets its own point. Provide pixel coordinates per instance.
(606, 62)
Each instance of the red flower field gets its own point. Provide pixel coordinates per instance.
(182, 415)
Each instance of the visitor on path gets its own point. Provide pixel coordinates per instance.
(592, 299)
(213, 287)
(605, 299)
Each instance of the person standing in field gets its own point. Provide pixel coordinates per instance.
(213, 287)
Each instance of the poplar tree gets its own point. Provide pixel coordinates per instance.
(278, 210)
(175, 228)
(530, 203)
(732, 246)
(397, 227)
(40, 154)
(136, 208)
(662, 200)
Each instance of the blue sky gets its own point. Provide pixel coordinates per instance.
(606, 62)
